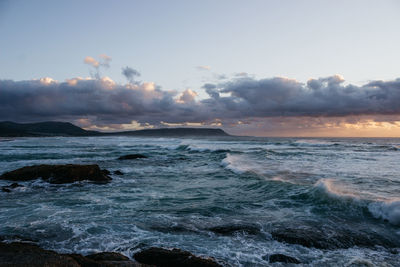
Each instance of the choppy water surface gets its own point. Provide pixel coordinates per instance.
(187, 186)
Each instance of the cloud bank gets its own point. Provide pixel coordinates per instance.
(238, 102)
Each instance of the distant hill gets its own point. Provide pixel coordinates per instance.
(51, 128)
(177, 132)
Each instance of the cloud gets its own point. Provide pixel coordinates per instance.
(188, 96)
(130, 74)
(241, 103)
(203, 67)
(104, 61)
(91, 61)
(248, 97)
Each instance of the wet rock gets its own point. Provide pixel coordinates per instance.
(58, 174)
(283, 258)
(118, 172)
(82, 260)
(172, 258)
(8, 188)
(105, 259)
(23, 254)
(132, 156)
(332, 239)
(235, 228)
(106, 172)
(108, 256)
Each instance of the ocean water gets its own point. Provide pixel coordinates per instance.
(186, 187)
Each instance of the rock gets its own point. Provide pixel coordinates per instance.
(82, 260)
(132, 156)
(235, 228)
(23, 254)
(9, 187)
(332, 239)
(106, 172)
(58, 174)
(108, 256)
(283, 258)
(172, 258)
(5, 189)
(105, 259)
(118, 172)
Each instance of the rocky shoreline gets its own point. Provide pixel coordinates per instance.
(29, 254)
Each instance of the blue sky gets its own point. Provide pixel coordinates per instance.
(166, 41)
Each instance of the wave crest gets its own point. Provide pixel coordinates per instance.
(386, 210)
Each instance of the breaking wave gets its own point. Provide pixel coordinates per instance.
(387, 210)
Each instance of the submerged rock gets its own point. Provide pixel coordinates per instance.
(58, 174)
(332, 239)
(235, 228)
(283, 258)
(172, 258)
(118, 172)
(8, 188)
(132, 156)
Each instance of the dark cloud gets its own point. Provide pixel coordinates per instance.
(130, 74)
(240, 99)
(329, 96)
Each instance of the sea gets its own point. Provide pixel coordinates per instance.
(230, 198)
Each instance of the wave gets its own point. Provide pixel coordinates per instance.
(236, 164)
(332, 189)
(314, 142)
(385, 209)
(201, 149)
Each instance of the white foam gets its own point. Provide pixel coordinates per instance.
(381, 209)
(313, 142)
(386, 210)
(335, 190)
(237, 164)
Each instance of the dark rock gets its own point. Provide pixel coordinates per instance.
(332, 239)
(283, 258)
(178, 228)
(58, 174)
(23, 254)
(106, 172)
(132, 156)
(108, 256)
(235, 228)
(118, 172)
(172, 258)
(14, 185)
(8, 188)
(83, 261)
(105, 259)
(5, 189)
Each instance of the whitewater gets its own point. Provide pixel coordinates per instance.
(344, 191)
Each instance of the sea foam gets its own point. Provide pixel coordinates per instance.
(386, 210)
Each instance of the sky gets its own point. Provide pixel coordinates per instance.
(265, 68)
